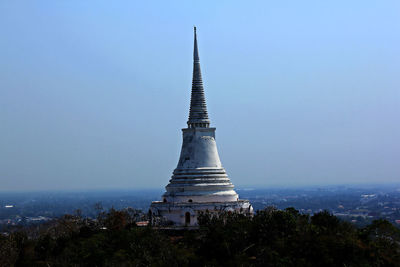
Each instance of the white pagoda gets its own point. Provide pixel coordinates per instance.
(199, 183)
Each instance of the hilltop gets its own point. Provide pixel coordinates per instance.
(271, 238)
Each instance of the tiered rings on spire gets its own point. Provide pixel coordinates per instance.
(198, 115)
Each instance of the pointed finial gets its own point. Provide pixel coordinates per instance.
(195, 50)
(198, 115)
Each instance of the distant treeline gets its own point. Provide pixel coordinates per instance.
(271, 238)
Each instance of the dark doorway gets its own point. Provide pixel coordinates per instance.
(187, 218)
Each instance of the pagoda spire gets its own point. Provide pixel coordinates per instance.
(198, 115)
(199, 182)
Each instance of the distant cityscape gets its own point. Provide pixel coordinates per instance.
(356, 204)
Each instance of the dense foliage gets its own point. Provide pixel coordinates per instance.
(271, 238)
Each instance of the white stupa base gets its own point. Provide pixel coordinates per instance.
(185, 214)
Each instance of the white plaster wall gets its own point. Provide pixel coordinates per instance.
(176, 213)
(199, 149)
(221, 196)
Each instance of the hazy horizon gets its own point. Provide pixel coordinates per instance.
(395, 186)
(93, 95)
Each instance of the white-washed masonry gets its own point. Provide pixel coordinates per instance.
(199, 183)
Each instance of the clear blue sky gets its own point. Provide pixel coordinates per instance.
(93, 94)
